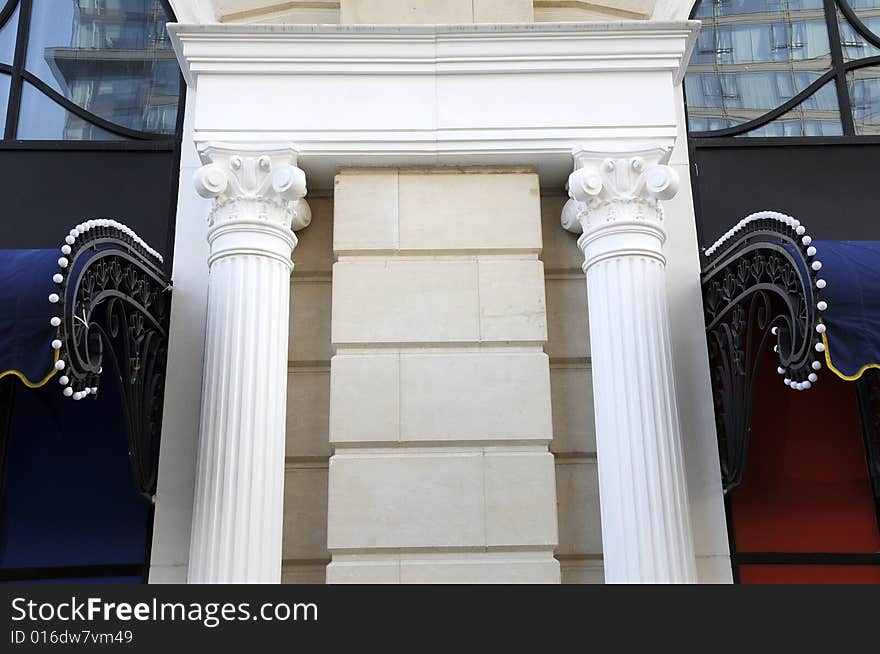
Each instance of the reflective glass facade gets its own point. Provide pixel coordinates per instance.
(88, 70)
(785, 68)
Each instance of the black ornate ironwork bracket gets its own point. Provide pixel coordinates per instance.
(113, 310)
(759, 283)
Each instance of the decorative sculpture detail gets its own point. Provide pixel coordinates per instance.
(601, 182)
(114, 305)
(256, 181)
(758, 282)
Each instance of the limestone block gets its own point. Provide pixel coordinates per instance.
(475, 396)
(308, 407)
(577, 492)
(397, 12)
(571, 390)
(167, 574)
(365, 398)
(479, 568)
(224, 7)
(561, 252)
(277, 11)
(582, 571)
(397, 301)
(364, 569)
(303, 573)
(591, 10)
(406, 498)
(437, 210)
(712, 569)
(305, 511)
(451, 209)
(440, 396)
(365, 211)
(309, 339)
(641, 8)
(503, 11)
(445, 567)
(568, 336)
(437, 301)
(435, 11)
(441, 497)
(314, 251)
(512, 304)
(520, 498)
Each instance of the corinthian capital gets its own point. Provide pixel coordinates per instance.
(607, 187)
(253, 182)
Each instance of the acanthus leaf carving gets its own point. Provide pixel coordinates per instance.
(253, 181)
(607, 187)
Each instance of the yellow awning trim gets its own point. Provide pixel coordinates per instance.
(35, 384)
(837, 372)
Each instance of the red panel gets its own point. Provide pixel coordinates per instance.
(809, 574)
(806, 486)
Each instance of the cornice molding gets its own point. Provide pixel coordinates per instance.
(432, 49)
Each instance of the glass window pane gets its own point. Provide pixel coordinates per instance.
(868, 12)
(710, 8)
(8, 32)
(864, 96)
(111, 57)
(43, 119)
(817, 115)
(736, 98)
(854, 44)
(4, 101)
(752, 56)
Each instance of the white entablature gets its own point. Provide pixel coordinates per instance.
(423, 11)
(479, 94)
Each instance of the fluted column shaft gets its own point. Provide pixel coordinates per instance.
(646, 534)
(238, 508)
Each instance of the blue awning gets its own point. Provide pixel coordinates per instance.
(839, 281)
(101, 299)
(851, 270)
(26, 333)
(47, 298)
(767, 284)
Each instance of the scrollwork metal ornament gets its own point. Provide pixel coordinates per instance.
(760, 285)
(113, 305)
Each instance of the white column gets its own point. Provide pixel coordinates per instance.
(238, 509)
(615, 206)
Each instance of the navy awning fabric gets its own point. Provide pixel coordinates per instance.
(852, 318)
(25, 312)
